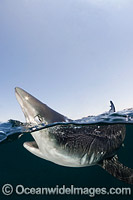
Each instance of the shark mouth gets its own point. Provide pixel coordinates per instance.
(32, 144)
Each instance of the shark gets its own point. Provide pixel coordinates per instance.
(74, 146)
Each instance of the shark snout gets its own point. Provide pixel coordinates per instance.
(21, 93)
(33, 109)
(28, 104)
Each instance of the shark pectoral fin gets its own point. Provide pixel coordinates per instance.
(117, 169)
(33, 148)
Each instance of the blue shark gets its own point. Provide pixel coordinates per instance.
(72, 146)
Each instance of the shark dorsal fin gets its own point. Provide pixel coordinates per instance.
(112, 107)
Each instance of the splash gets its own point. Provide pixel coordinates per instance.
(13, 129)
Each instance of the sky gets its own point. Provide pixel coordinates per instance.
(74, 55)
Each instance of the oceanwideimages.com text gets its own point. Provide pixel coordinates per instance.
(8, 189)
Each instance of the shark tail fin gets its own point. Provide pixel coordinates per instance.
(117, 169)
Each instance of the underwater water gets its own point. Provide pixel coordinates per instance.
(20, 167)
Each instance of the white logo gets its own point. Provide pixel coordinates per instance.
(7, 189)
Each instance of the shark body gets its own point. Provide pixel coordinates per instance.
(74, 146)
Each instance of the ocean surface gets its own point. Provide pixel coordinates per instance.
(20, 167)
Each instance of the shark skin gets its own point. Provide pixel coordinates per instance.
(72, 146)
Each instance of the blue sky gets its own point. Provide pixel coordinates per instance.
(73, 55)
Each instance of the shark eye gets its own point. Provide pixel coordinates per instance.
(38, 119)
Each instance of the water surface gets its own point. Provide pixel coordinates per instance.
(18, 166)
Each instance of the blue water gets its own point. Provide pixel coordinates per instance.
(18, 166)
